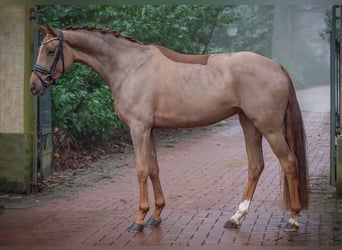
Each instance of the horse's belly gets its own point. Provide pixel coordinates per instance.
(193, 117)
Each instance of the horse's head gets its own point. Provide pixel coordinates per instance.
(52, 60)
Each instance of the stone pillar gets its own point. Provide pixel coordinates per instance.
(17, 115)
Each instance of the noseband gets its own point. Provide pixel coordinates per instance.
(49, 74)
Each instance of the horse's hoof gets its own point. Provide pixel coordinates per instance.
(230, 224)
(136, 228)
(152, 222)
(291, 227)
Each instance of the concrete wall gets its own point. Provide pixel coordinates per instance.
(17, 122)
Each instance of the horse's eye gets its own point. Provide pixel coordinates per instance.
(50, 52)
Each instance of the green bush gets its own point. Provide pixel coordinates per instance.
(84, 107)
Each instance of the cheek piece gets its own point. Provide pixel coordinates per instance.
(49, 78)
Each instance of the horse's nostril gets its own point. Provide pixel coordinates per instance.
(33, 89)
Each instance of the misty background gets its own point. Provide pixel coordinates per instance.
(296, 36)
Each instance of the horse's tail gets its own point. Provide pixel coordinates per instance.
(296, 139)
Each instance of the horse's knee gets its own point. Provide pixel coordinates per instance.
(154, 174)
(142, 174)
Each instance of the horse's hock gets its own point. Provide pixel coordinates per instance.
(16, 116)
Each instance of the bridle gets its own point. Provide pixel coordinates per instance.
(49, 74)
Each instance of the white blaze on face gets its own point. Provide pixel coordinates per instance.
(243, 210)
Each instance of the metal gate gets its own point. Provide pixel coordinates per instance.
(335, 126)
(45, 132)
(45, 135)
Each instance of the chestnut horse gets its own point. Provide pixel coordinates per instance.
(155, 87)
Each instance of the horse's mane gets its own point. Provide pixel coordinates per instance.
(105, 31)
(173, 55)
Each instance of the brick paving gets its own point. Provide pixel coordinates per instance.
(203, 176)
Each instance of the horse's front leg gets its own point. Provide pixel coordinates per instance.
(155, 219)
(141, 137)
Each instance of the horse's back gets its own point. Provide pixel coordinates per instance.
(184, 94)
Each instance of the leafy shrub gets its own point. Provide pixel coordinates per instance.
(83, 105)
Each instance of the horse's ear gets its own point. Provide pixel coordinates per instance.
(51, 30)
(42, 29)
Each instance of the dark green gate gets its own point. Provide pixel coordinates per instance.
(45, 132)
(335, 126)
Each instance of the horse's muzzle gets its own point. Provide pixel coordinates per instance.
(37, 89)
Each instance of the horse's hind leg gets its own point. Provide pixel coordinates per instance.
(287, 160)
(253, 139)
(155, 218)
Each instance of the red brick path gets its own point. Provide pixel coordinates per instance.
(203, 178)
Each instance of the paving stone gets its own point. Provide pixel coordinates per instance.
(203, 178)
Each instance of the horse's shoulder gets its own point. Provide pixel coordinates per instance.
(183, 58)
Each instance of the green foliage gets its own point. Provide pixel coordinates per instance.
(84, 107)
(325, 34)
(255, 30)
(82, 103)
(181, 27)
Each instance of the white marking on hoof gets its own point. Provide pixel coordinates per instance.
(242, 211)
(292, 225)
(293, 222)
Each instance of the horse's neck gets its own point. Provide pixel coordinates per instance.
(110, 57)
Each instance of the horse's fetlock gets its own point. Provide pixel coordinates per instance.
(142, 175)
